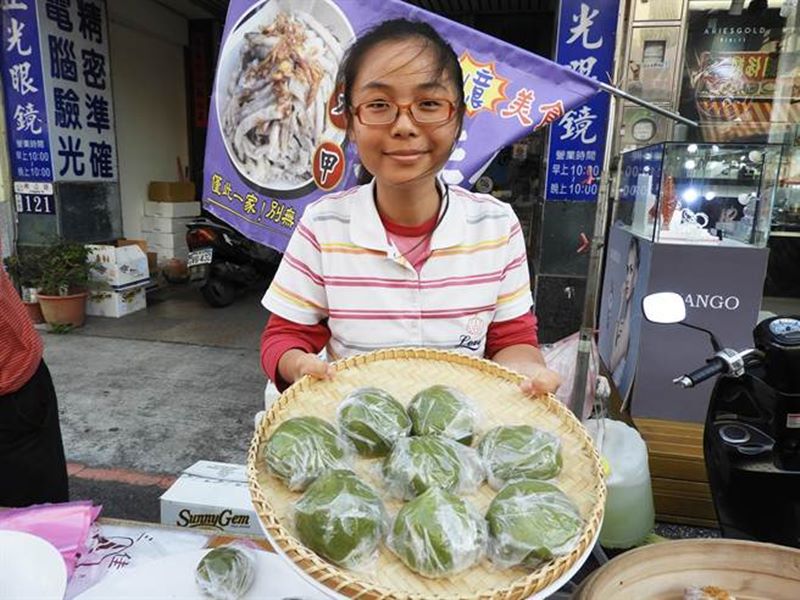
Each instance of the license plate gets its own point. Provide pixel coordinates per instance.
(200, 257)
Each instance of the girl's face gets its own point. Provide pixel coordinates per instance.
(402, 152)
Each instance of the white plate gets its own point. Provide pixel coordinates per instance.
(30, 567)
(173, 577)
(332, 594)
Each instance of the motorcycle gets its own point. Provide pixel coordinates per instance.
(222, 262)
(751, 439)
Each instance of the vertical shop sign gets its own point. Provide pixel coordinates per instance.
(24, 89)
(586, 41)
(74, 45)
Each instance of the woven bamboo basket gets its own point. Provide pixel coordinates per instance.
(403, 372)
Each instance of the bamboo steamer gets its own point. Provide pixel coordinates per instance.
(746, 570)
(403, 372)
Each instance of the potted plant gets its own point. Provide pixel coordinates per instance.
(63, 283)
(25, 268)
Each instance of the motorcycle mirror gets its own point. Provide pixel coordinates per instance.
(664, 307)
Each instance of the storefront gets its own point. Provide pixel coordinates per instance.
(697, 208)
(147, 122)
(733, 67)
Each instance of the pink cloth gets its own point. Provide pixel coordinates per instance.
(64, 525)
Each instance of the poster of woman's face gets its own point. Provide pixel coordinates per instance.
(627, 263)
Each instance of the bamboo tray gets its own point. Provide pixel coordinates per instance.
(403, 372)
(746, 570)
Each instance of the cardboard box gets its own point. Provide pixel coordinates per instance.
(171, 191)
(165, 224)
(678, 472)
(116, 304)
(166, 240)
(119, 268)
(152, 261)
(211, 495)
(172, 209)
(126, 242)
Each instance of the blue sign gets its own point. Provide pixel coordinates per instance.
(24, 88)
(586, 40)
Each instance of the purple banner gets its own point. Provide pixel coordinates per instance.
(586, 40)
(264, 165)
(24, 89)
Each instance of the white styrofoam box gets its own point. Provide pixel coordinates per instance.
(119, 267)
(165, 224)
(116, 304)
(171, 209)
(165, 253)
(165, 240)
(211, 495)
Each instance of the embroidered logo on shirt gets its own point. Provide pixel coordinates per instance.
(475, 329)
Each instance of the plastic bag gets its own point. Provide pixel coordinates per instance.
(303, 448)
(443, 410)
(562, 357)
(65, 525)
(531, 522)
(373, 420)
(519, 452)
(438, 534)
(226, 572)
(342, 519)
(420, 462)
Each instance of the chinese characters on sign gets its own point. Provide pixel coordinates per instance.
(263, 212)
(586, 37)
(23, 85)
(80, 108)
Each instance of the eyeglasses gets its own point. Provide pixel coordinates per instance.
(430, 111)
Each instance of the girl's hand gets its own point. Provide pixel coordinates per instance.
(539, 380)
(314, 366)
(296, 363)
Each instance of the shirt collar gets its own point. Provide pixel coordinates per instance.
(367, 230)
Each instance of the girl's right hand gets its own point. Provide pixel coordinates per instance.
(295, 363)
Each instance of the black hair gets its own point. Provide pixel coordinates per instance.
(397, 30)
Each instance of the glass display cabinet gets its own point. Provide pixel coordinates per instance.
(686, 193)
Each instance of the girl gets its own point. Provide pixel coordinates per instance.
(405, 260)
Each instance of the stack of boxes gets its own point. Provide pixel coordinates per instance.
(119, 278)
(170, 207)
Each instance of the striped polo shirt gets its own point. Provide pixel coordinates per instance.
(340, 266)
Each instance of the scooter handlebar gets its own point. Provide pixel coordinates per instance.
(715, 366)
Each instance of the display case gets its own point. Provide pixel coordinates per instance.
(686, 193)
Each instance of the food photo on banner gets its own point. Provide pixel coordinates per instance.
(277, 134)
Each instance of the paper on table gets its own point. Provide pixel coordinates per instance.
(173, 577)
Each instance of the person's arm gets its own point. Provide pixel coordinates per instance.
(514, 344)
(513, 322)
(289, 350)
(528, 360)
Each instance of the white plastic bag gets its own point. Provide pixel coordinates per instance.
(342, 519)
(303, 448)
(418, 463)
(438, 534)
(562, 357)
(226, 572)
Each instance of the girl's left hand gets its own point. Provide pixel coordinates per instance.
(539, 380)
